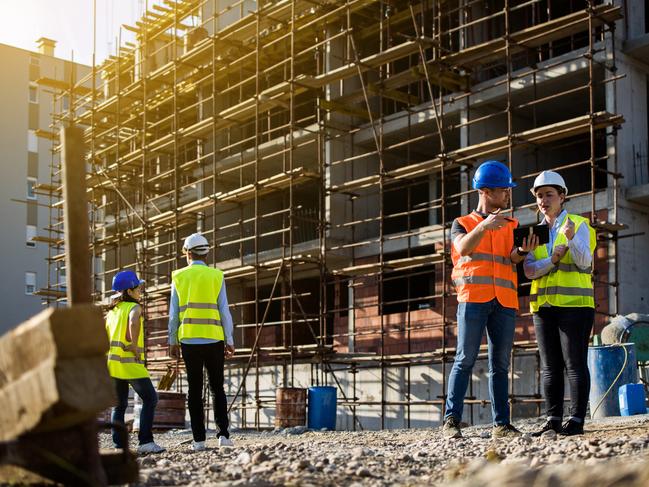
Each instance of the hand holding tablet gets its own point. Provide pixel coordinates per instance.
(541, 231)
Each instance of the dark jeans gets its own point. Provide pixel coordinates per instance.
(143, 388)
(472, 320)
(563, 334)
(211, 356)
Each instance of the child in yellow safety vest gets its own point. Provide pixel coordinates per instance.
(124, 325)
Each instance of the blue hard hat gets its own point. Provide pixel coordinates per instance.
(124, 280)
(492, 174)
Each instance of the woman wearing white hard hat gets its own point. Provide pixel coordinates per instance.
(562, 303)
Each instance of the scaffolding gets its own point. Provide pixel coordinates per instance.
(324, 148)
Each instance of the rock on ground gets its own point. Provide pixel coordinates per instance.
(612, 453)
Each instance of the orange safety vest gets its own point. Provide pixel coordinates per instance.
(487, 272)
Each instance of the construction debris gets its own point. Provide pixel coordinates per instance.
(53, 371)
(404, 457)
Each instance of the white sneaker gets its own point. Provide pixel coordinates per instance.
(198, 445)
(151, 447)
(223, 441)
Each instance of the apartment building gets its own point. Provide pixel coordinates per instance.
(26, 141)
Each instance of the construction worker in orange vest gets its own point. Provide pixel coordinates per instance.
(484, 273)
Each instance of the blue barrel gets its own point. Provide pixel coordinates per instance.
(605, 363)
(322, 408)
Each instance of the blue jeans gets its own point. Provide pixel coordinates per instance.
(472, 319)
(144, 388)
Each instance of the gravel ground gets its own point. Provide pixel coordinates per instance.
(612, 451)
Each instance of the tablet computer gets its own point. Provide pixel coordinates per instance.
(543, 232)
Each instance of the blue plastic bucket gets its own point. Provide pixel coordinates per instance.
(632, 399)
(322, 408)
(605, 363)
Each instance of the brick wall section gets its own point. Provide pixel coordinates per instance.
(156, 328)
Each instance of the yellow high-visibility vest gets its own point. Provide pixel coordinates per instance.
(566, 285)
(198, 288)
(123, 364)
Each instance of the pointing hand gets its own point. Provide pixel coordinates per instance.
(568, 229)
(494, 221)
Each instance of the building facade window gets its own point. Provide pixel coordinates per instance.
(33, 93)
(30, 234)
(30, 283)
(32, 141)
(31, 182)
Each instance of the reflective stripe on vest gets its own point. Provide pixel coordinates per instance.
(122, 363)
(566, 285)
(199, 306)
(123, 346)
(124, 360)
(198, 288)
(487, 272)
(461, 281)
(476, 257)
(567, 291)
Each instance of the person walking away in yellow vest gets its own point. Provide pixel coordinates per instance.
(200, 325)
(562, 304)
(484, 274)
(124, 325)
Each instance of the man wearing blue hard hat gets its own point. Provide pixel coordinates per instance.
(484, 274)
(200, 326)
(124, 325)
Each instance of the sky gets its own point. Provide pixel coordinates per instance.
(70, 23)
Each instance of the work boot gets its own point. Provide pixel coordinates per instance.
(571, 428)
(451, 428)
(505, 431)
(550, 425)
(151, 447)
(223, 441)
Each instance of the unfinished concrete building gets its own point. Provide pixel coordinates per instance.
(324, 148)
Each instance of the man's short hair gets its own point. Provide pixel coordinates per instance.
(195, 256)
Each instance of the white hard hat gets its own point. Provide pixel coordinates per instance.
(549, 178)
(197, 244)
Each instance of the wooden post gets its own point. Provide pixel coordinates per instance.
(77, 260)
(75, 219)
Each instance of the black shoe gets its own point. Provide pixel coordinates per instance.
(571, 428)
(550, 425)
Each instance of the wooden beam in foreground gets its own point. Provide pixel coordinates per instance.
(53, 371)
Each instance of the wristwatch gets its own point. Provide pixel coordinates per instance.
(521, 252)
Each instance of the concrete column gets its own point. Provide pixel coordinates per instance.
(464, 142)
(351, 324)
(335, 146)
(633, 24)
(629, 98)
